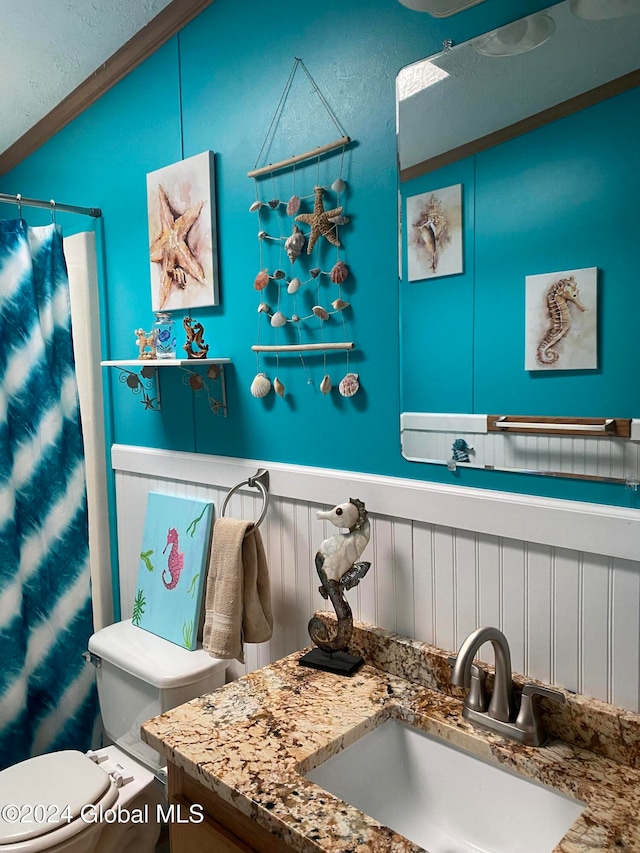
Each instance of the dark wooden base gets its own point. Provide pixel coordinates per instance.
(340, 663)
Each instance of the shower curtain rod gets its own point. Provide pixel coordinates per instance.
(51, 205)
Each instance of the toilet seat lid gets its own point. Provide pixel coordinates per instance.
(49, 792)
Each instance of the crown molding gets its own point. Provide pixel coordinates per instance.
(171, 20)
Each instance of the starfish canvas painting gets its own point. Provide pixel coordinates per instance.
(182, 234)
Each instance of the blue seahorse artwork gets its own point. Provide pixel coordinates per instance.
(174, 554)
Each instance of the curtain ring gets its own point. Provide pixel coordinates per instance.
(53, 211)
(19, 201)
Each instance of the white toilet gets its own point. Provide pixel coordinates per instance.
(107, 800)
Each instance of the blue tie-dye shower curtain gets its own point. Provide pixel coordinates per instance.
(47, 691)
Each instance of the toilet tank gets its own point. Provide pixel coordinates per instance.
(140, 675)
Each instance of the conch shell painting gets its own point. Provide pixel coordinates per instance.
(561, 320)
(182, 234)
(434, 237)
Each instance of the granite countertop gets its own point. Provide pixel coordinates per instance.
(251, 740)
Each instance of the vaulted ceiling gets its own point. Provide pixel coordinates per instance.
(56, 58)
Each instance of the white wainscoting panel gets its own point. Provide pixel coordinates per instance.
(445, 560)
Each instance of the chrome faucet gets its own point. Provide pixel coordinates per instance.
(501, 715)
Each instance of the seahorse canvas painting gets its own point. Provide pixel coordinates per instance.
(434, 233)
(561, 320)
(182, 234)
(173, 564)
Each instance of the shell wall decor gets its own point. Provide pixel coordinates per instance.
(300, 272)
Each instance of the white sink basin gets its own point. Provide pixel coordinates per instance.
(444, 799)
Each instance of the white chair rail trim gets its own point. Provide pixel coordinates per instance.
(586, 527)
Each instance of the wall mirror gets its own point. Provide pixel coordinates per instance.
(518, 174)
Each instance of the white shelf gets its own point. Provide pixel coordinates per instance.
(163, 362)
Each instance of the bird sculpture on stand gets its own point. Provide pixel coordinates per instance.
(339, 569)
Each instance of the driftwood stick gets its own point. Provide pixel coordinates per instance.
(298, 158)
(303, 347)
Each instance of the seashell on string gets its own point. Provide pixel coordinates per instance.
(279, 274)
(339, 304)
(261, 385)
(263, 308)
(256, 206)
(349, 385)
(294, 244)
(293, 285)
(338, 186)
(278, 387)
(325, 385)
(262, 280)
(320, 312)
(315, 272)
(278, 320)
(293, 205)
(339, 220)
(274, 203)
(262, 235)
(295, 318)
(339, 271)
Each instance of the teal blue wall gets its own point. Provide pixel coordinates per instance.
(215, 86)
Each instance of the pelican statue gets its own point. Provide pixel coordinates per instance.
(339, 569)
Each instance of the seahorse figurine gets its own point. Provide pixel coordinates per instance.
(338, 570)
(195, 338)
(175, 561)
(558, 297)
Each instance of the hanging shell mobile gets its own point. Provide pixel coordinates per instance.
(313, 219)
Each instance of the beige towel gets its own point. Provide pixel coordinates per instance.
(238, 598)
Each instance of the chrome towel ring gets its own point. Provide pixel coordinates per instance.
(259, 481)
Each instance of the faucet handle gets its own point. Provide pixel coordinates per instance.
(528, 718)
(477, 697)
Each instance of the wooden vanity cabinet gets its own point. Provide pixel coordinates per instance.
(223, 829)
